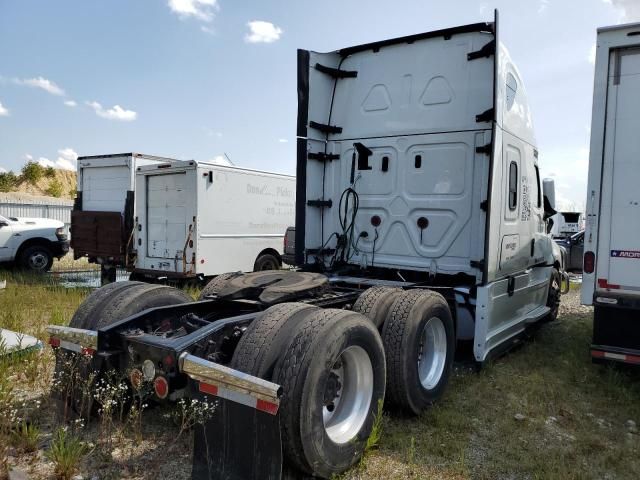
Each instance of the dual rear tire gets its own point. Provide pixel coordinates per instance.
(331, 366)
(334, 367)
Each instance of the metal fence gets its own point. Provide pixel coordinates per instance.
(16, 205)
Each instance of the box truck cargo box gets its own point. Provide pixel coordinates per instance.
(103, 216)
(611, 281)
(198, 219)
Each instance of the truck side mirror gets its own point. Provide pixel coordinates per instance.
(549, 193)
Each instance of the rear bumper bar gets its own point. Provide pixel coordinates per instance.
(623, 355)
(73, 339)
(210, 378)
(230, 384)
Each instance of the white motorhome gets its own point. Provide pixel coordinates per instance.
(199, 219)
(103, 216)
(610, 278)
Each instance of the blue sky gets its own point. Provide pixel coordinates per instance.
(196, 78)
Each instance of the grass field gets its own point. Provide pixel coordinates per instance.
(542, 411)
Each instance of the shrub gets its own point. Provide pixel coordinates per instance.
(54, 189)
(26, 436)
(49, 172)
(8, 181)
(32, 172)
(66, 452)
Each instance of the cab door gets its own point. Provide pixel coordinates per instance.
(6, 244)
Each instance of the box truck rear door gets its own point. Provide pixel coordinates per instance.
(623, 125)
(166, 215)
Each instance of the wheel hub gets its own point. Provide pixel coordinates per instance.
(432, 353)
(38, 261)
(332, 391)
(347, 395)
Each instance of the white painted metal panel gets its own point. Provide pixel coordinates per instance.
(501, 315)
(166, 215)
(621, 250)
(409, 100)
(104, 189)
(232, 214)
(612, 153)
(426, 86)
(241, 213)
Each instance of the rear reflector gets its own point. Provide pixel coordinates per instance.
(259, 404)
(54, 342)
(589, 262)
(603, 283)
(618, 357)
(161, 387)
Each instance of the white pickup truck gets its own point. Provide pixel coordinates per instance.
(32, 243)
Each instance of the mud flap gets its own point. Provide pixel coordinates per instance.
(237, 443)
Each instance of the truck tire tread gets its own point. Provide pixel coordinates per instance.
(268, 336)
(401, 392)
(292, 372)
(374, 303)
(79, 319)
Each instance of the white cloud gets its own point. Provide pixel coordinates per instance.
(542, 6)
(66, 160)
(262, 32)
(71, 103)
(114, 113)
(483, 9)
(4, 112)
(42, 83)
(208, 30)
(3, 170)
(203, 10)
(45, 162)
(283, 140)
(630, 9)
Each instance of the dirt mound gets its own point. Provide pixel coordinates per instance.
(62, 184)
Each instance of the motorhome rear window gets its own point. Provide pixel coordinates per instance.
(513, 186)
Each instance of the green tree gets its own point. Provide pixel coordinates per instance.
(32, 172)
(54, 189)
(8, 181)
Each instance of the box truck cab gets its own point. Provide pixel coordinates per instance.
(420, 222)
(610, 280)
(198, 220)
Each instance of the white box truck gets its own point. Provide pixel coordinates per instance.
(611, 264)
(103, 215)
(566, 224)
(420, 222)
(198, 219)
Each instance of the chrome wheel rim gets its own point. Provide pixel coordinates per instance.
(38, 261)
(347, 395)
(432, 353)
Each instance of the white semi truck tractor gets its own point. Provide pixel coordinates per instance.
(420, 222)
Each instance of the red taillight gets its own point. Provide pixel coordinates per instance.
(161, 387)
(54, 342)
(168, 361)
(589, 264)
